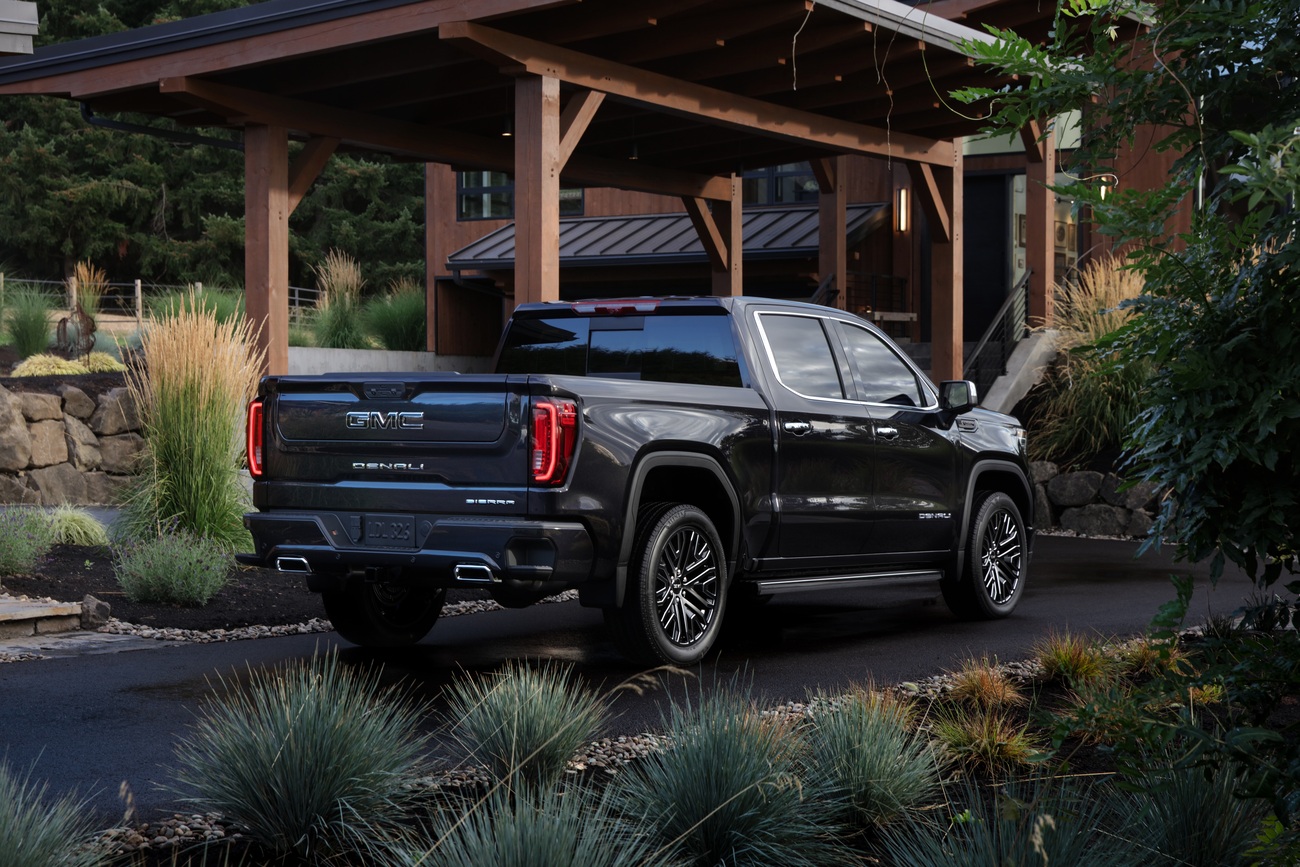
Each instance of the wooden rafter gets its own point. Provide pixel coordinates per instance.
(574, 121)
(682, 97)
(932, 200)
(307, 166)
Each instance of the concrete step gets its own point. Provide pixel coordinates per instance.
(21, 618)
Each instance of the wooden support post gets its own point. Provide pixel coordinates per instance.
(139, 304)
(537, 189)
(1040, 222)
(266, 241)
(832, 226)
(939, 193)
(729, 218)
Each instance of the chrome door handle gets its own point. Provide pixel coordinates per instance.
(798, 428)
(887, 433)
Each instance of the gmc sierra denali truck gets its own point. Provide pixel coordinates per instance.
(661, 455)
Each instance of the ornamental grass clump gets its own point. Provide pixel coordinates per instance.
(197, 377)
(338, 321)
(86, 287)
(1073, 660)
(42, 364)
(397, 319)
(877, 765)
(313, 760)
(983, 683)
(524, 722)
(27, 319)
(25, 538)
(37, 833)
(176, 568)
(988, 740)
(72, 526)
(733, 788)
(574, 828)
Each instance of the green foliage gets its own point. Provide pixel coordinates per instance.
(27, 320)
(1018, 824)
(313, 760)
(70, 525)
(339, 326)
(34, 833)
(878, 768)
(989, 740)
(25, 537)
(397, 319)
(48, 365)
(734, 788)
(1072, 659)
(524, 722)
(223, 305)
(177, 568)
(102, 362)
(576, 828)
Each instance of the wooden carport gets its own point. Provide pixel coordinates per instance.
(697, 89)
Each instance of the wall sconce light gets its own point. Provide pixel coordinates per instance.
(901, 212)
(1108, 181)
(508, 129)
(635, 153)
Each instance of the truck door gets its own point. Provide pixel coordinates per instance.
(823, 481)
(916, 454)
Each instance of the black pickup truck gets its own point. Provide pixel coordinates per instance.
(664, 456)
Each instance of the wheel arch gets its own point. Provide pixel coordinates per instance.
(995, 475)
(680, 477)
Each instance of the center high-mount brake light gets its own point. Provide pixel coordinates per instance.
(615, 306)
(555, 434)
(255, 435)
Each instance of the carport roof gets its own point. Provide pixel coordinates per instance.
(666, 239)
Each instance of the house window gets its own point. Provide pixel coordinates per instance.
(491, 196)
(786, 184)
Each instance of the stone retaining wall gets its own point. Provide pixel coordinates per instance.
(1091, 503)
(66, 447)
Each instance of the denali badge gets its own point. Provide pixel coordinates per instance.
(385, 465)
(384, 420)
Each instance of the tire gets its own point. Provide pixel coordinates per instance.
(383, 613)
(997, 558)
(676, 594)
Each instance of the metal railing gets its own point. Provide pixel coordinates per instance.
(988, 360)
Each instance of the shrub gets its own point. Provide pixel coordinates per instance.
(174, 568)
(876, 765)
(983, 684)
(573, 829)
(48, 365)
(1015, 825)
(338, 321)
(197, 377)
(225, 307)
(28, 321)
(732, 789)
(524, 723)
(36, 834)
(1072, 659)
(72, 526)
(312, 759)
(397, 320)
(91, 284)
(986, 739)
(25, 538)
(102, 362)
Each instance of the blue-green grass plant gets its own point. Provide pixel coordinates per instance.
(397, 319)
(733, 788)
(70, 525)
(25, 538)
(27, 320)
(313, 760)
(192, 391)
(875, 761)
(37, 832)
(1021, 824)
(525, 722)
(176, 568)
(573, 828)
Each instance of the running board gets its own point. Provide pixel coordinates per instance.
(843, 582)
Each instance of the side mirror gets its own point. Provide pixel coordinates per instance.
(958, 395)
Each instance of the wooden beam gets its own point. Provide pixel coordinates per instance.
(730, 216)
(266, 242)
(537, 189)
(1040, 226)
(832, 225)
(575, 119)
(947, 277)
(1031, 136)
(933, 199)
(307, 166)
(682, 97)
(710, 235)
(428, 143)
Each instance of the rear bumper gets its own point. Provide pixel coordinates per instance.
(448, 551)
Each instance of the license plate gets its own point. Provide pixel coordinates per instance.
(389, 531)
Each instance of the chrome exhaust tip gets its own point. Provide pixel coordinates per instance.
(474, 573)
(292, 564)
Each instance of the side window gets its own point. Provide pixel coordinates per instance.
(879, 374)
(801, 355)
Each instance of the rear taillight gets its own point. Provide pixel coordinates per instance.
(255, 439)
(555, 434)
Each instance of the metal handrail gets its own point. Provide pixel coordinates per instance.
(1009, 325)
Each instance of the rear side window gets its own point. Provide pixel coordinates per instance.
(695, 349)
(801, 355)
